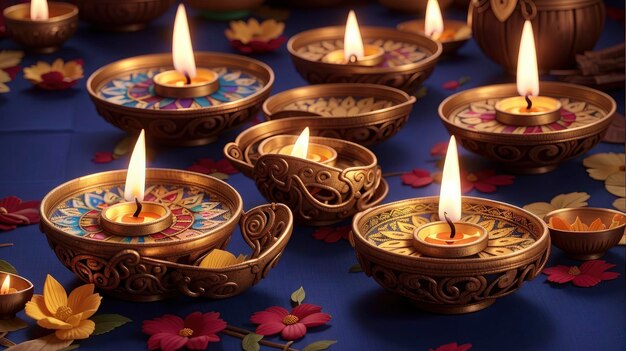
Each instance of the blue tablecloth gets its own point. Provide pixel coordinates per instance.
(48, 138)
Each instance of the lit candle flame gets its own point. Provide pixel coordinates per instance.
(5, 285)
(352, 41)
(301, 147)
(450, 196)
(38, 10)
(136, 176)
(182, 50)
(527, 72)
(433, 26)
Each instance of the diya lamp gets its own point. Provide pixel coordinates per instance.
(528, 109)
(39, 26)
(121, 16)
(176, 102)
(450, 33)
(15, 291)
(528, 133)
(450, 238)
(354, 54)
(147, 248)
(302, 148)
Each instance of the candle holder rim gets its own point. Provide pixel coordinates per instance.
(147, 62)
(556, 212)
(527, 137)
(30, 284)
(410, 99)
(455, 22)
(72, 11)
(430, 58)
(434, 260)
(45, 221)
(423, 226)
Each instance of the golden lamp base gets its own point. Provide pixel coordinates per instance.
(14, 301)
(469, 240)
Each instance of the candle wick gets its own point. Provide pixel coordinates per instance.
(452, 228)
(139, 207)
(353, 59)
(529, 103)
(187, 79)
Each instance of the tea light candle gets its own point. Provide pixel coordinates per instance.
(529, 108)
(433, 24)
(354, 52)
(15, 291)
(451, 238)
(186, 81)
(302, 148)
(134, 217)
(6, 286)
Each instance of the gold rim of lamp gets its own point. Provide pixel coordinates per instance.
(168, 84)
(508, 111)
(111, 222)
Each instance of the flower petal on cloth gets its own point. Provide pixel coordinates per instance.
(305, 309)
(82, 331)
(54, 294)
(154, 342)
(53, 323)
(316, 319)
(200, 342)
(173, 342)
(600, 166)
(168, 323)
(620, 204)
(586, 281)
(271, 314)
(82, 299)
(574, 199)
(270, 328)
(616, 184)
(294, 331)
(558, 274)
(36, 308)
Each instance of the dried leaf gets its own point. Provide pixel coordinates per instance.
(298, 296)
(107, 322)
(579, 226)
(9, 325)
(7, 267)
(123, 146)
(559, 223)
(319, 345)
(250, 342)
(464, 80)
(355, 268)
(46, 343)
(420, 93)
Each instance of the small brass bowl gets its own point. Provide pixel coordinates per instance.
(122, 16)
(471, 116)
(224, 6)
(586, 245)
(123, 95)
(449, 46)
(518, 247)
(12, 303)
(41, 36)
(157, 266)
(404, 70)
(318, 194)
(365, 114)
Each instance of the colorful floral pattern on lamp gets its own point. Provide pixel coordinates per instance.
(450, 238)
(529, 108)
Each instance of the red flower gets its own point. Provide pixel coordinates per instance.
(14, 212)
(102, 157)
(12, 71)
(417, 178)
(451, 85)
(589, 274)
(332, 235)
(484, 181)
(170, 332)
(208, 166)
(292, 325)
(439, 149)
(258, 46)
(453, 347)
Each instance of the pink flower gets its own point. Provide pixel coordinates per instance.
(439, 149)
(102, 157)
(14, 212)
(417, 178)
(484, 181)
(208, 166)
(170, 332)
(451, 85)
(589, 274)
(453, 347)
(292, 325)
(332, 235)
(258, 46)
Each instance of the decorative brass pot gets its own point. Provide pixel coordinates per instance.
(563, 28)
(122, 15)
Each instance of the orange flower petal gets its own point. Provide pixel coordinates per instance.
(74, 320)
(616, 221)
(82, 299)
(558, 223)
(36, 308)
(54, 294)
(82, 331)
(597, 225)
(579, 226)
(53, 323)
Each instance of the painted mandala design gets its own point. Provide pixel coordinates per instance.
(396, 53)
(339, 106)
(137, 90)
(195, 212)
(393, 230)
(481, 116)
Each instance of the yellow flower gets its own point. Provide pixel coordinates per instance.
(4, 78)
(66, 315)
(10, 58)
(601, 166)
(253, 30)
(69, 73)
(220, 259)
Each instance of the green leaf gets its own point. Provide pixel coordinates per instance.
(355, 268)
(123, 146)
(7, 267)
(107, 322)
(464, 80)
(70, 348)
(9, 325)
(219, 175)
(319, 345)
(46, 343)
(250, 342)
(298, 296)
(420, 93)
